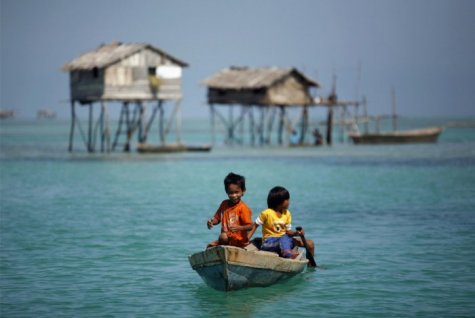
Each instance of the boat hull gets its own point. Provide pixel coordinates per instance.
(429, 135)
(171, 148)
(229, 268)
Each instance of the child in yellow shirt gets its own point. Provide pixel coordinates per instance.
(276, 221)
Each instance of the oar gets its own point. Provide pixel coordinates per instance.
(309, 255)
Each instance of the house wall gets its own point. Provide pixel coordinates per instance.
(243, 97)
(289, 92)
(127, 80)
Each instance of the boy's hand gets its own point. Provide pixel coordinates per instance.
(210, 224)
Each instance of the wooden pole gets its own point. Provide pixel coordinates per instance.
(304, 127)
(106, 128)
(141, 135)
(251, 126)
(270, 124)
(365, 108)
(393, 95)
(329, 125)
(73, 123)
(89, 138)
(281, 125)
(213, 124)
(161, 119)
(261, 124)
(101, 126)
(127, 127)
(178, 121)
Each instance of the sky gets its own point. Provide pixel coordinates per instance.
(423, 49)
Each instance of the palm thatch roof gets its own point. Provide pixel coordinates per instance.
(108, 54)
(238, 78)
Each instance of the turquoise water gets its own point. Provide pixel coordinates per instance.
(108, 235)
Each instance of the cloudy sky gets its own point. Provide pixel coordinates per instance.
(424, 49)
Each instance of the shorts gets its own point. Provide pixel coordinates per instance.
(278, 244)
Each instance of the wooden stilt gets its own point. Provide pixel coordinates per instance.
(329, 125)
(90, 129)
(304, 128)
(365, 109)
(281, 125)
(141, 134)
(178, 123)
(101, 130)
(251, 126)
(150, 121)
(213, 124)
(106, 128)
(127, 127)
(270, 124)
(161, 128)
(230, 126)
(73, 123)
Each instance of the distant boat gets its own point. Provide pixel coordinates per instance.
(228, 268)
(424, 135)
(169, 148)
(6, 113)
(46, 113)
(427, 135)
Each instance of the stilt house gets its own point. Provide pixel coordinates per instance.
(129, 74)
(264, 89)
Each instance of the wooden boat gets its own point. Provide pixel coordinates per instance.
(147, 148)
(427, 135)
(228, 268)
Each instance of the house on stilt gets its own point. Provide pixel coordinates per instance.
(262, 94)
(137, 76)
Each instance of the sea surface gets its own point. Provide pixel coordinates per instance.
(109, 234)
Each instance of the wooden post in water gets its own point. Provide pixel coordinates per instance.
(280, 129)
(161, 128)
(393, 94)
(304, 128)
(213, 124)
(89, 136)
(73, 123)
(251, 125)
(329, 124)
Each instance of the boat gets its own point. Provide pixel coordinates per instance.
(6, 113)
(426, 135)
(229, 268)
(170, 148)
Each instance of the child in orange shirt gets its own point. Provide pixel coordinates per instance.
(233, 214)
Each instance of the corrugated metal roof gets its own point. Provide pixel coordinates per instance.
(108, 54)
(251, 78)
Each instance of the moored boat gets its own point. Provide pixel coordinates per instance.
(147, 148)
(230, 268)
(427, 135)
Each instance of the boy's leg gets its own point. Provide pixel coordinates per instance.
(286, 246)
(310, 244)
(223, 239)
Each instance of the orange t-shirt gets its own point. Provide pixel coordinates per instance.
(238, 214)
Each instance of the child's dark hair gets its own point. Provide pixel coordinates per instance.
(277, 195)
(233, 178)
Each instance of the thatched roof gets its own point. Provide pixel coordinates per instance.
(108, 54)
(252, 78)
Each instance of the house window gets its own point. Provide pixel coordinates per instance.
(152, 71)
(95, 72)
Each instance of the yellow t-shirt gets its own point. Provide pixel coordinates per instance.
(272, 224)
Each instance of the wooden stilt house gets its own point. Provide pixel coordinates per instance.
(265, 91)
(135, 75)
